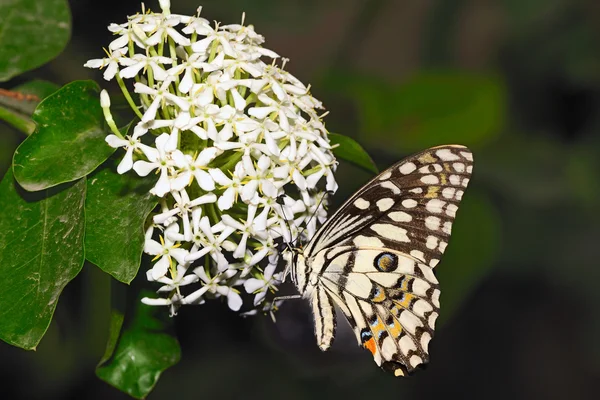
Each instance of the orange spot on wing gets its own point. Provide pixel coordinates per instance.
(370, 345)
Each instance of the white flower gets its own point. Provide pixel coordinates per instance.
(250, 227)
(232, 186)
(159, 95)
(206, 243)
(139, 61)
(111, 63)
(165, 250)
(260, 287)
(259, 178)
(227, 133)
(212, 285)
(160, 158)
(130, 144)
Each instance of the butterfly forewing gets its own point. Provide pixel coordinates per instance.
(410, 207)
(375, 256)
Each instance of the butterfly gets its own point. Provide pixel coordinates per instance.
(375, 258)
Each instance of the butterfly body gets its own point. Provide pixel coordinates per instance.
(375, 258)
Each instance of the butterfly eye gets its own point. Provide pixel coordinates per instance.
(386, 262)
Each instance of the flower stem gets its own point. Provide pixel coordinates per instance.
(128, 96)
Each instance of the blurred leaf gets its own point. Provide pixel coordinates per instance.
(349, 150)
(116, 208)
(69, 142)
(38, 88)
(41, 250)
(471, 252)
(33, 33)
(428, 110)
(135, 359)
(526, 168)
(18, 110)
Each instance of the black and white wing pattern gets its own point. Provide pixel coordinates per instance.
(374, 258)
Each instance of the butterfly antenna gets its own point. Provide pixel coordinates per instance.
(328, 192)
(287, 224)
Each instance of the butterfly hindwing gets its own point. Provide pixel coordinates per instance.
(395, 300)
(375, 257)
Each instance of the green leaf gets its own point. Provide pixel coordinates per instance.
(32, 33)
(116, 208)
(471, 252)
(135, 359)
(69, 142)
(349, 150)
(41, 250)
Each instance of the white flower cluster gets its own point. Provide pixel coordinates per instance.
(242, 157)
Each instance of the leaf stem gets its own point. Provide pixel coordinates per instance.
(24, 124)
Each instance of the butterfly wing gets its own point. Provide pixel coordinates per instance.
(410, 206)
(390, 299)
(375, 256)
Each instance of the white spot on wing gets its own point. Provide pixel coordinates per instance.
(447, 228)
(415, 360)
(432, 223)
(428, 273)
(388, 348)
(455, 180)
(406, 344)
(442, 246)
(362, 203)
(446, 155)
(432, 319)
(435, 298)
(385, 279)
(448, 192)
(391, 186)
(435, 206)
(420, 287)
(459, 167)
(421, 307)
(409, 321)
(391, 232)
(451, 210)
(418, 255)
(367, 241)
(359, 285)
(430, 180)
(385, 204)
(400, 216)
(385, 175)
(407, 168)
(428, 169)
(425, 339)
(432, 242)
(409, 203)
(467, 155)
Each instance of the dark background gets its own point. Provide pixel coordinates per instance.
(518, 81)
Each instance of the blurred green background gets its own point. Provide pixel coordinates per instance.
(518, 81)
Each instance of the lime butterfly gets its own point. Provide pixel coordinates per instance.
(375, 257)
